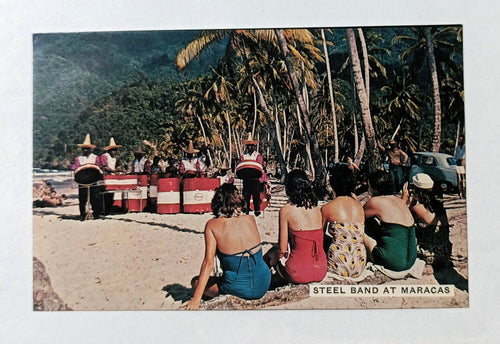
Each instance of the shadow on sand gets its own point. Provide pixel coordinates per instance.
(178, 292)
(448, 275)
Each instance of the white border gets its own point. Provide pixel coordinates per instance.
(18, 324)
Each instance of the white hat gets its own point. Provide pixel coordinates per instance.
(112, 145)
(86, 143)
(422, 181)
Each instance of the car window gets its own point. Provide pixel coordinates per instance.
(428, 160)
(451, 161)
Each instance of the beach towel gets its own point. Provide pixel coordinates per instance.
(415, 271)
(364, 274)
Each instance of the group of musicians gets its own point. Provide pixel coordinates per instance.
(90, 168)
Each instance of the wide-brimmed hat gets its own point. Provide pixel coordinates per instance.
(422, 181)
(190, 149)
(112, 145)
(224, 166)
(86, 143)
(250, 140)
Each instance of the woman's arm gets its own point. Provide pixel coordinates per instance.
(371, 208)
(206, 268)
(283, 233)
(424, 214)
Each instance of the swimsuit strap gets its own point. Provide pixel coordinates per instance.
(250, 254)
(242, 253)
(314, 251)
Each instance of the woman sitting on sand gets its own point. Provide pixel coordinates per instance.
(344, 223)
(431, 222)
(236, 241)
(300, 226)
(390, 232)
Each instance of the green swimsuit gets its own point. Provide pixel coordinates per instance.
(396, 246)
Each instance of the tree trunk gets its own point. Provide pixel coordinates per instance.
(356, 139)
(321, 173)
(272, 129)
(373, 153)
(204, 138)
(229, 132)
(254, 113)
(364, 50)
(436, 140)
(361, 151)
(332, 102)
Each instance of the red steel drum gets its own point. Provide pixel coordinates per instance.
(168, 196)
(88, 174)
(137, 200)
(126, 182)
(111, 182)
(263, 202)
(197, 194)
(249, 169)
(142, 180)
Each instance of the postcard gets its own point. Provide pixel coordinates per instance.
(138, 134)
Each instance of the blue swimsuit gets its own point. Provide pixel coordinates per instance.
(246, 275)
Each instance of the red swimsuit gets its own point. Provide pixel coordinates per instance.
(307, 260)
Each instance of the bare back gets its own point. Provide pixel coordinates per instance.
(343, 209)
(235, 234)
(300, 218)
(389, 209)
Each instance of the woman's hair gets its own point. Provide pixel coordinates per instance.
(343, 180)
(381, 183)
(428, 200)
(227, 201)
(299, 189)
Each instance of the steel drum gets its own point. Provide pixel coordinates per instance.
(168, 197)
(197, 194)
(88, 174)
(249, 169)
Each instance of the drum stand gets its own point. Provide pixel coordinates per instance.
(89, 206)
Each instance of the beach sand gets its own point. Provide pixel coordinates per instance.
(145, 261)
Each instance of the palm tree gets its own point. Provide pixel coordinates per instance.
(242, 41)
(430, 44)
(330, 88)
(321, 174)
(374, 157)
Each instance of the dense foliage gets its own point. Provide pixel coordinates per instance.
(126, 85)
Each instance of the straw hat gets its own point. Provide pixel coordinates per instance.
(86, 143)
(190, 149)
(112, 145)
(250, 140)
(422, 181)
(224, 166)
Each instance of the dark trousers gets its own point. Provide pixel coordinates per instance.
(95, 200)
(397, 175)
(251, 188)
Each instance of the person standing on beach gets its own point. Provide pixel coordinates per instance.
(87, 157)
(141, 164)
(397, 158)
(225, 174)
(110, 166)
(460, 151)
(190, 166)
(108, 160)
(252, 186)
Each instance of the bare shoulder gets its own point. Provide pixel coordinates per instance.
(286, 209)
(213, 224)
